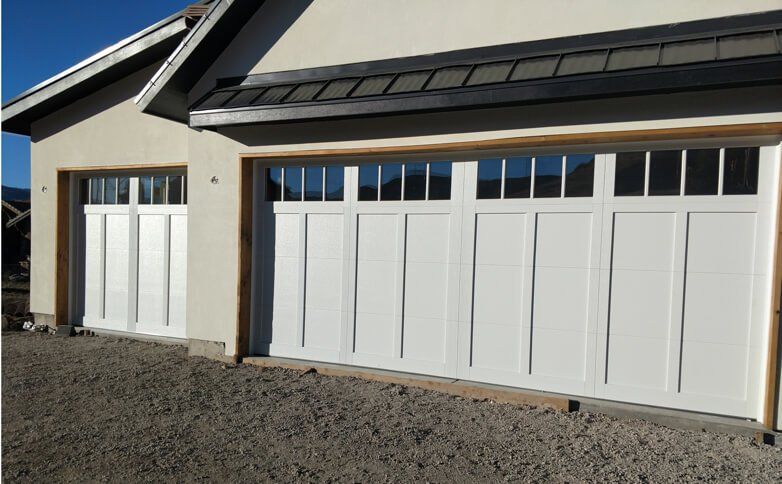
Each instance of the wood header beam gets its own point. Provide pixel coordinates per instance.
(667, 134)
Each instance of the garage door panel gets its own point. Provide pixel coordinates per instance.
(558, 354)
(643, 241)
(648, 316)
(177, 278)
(376, 286)
(561, 298)
(426, 286)
(718, 308)
(714, 370)
(284, 325)
(424, 339)
(721, 243)
(638, 361)
(499, 238)
(286, 235)
(497, 295)
(374, 334)
(322, 328)
(496, 346)
(323, 288)
(427, 238)
(324, 236)
(377, 237)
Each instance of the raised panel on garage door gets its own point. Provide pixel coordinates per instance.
(563, 243)
(426, 287)
(718, 304)
(639, 325)
(498, 295)
(378, 269)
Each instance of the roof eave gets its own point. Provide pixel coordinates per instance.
(165, 94)
(137, 51)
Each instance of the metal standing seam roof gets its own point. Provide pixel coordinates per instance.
(659, 55)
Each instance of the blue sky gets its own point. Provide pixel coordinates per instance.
(41, 38)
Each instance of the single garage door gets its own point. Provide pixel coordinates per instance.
(639, 276)
(131, 253)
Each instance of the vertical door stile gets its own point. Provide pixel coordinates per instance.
(399, 299)
(133, 255)
(678, 290)
(302, 266)
(166, 267)
(348, 269)
(102, 292)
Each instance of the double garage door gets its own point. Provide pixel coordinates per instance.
(131, 253)
(638, 276)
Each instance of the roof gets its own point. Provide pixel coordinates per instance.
(109, 65)
(715, 53)
(166, 93)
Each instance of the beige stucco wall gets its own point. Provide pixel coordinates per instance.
(295, 34)
(105, 128)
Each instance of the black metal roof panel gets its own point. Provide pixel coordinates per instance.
(706, 54)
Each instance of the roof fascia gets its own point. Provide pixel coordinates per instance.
(165, 94)
(62, 89)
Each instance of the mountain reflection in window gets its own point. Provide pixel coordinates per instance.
(579, 175)
(440, 180)
(548, 176)
(489, 178)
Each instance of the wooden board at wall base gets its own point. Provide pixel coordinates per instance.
(460, 388)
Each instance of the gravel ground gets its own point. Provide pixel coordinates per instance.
(100, 408)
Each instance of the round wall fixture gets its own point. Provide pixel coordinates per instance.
(44, 189)
(215, 180)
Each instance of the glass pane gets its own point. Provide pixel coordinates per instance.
(159, 190)
(96, 191)
(741, 171)
(630, 174)
(144, 189)
(579, 175)
(84, 191)
(489, 178)
(415, 181)
(313, 183)
(110, 191)
(174, 190)
(440, 180)
(335, 183)
(123, 191)
(367, 182)
(274, 184)
(518, 177)
(548, 176)
(391, 181)
(184, 190)
(293, 183)
(665, 172)
(702, 174)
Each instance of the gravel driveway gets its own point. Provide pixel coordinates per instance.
(100, 408)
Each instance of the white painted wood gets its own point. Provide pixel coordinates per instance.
(653, 300)
(134, 264)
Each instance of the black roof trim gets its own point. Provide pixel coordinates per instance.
(680, 56)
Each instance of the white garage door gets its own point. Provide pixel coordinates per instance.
(635, 276)
(131, 260)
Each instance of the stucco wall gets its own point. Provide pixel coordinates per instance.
(295, 34)
(105, 128)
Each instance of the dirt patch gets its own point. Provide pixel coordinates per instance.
(98, 408)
